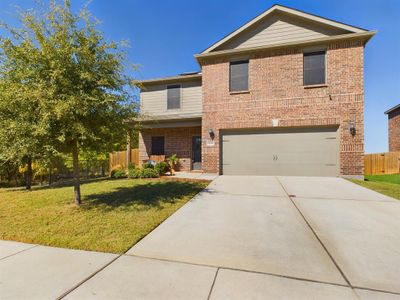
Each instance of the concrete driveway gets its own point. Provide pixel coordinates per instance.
(260, 238)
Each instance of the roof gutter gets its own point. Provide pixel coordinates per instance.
(169, 79)
(365, 36)
(392, 109)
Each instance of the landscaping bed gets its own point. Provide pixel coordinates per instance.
(115, 214)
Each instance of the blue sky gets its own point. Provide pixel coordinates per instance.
(164, 35)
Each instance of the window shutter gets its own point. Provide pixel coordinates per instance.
(239, 76)
(314, 68)
(174, 96)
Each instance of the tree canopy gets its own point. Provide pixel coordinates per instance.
(63, 86)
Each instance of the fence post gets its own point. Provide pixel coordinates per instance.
(128, 147)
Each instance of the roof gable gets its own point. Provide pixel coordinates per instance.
(281, 24)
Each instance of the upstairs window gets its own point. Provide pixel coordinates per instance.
(174, 96)
(239, 76)
(314, 68)
(157, 145)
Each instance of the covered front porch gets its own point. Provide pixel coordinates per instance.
(163, 138)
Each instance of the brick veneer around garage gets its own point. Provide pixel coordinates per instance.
(276, 91)
(394, 130)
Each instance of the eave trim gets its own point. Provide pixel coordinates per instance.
(392, 109)
(363, 36)
(169, 79)
(287, 10)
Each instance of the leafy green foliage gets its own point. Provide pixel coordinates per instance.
(9, 173)
(173, 161)
(148, 165)
(162, 168)
(131, 170)
(62, 87)
(118, 173)
(144, 173)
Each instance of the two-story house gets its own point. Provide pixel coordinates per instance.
(394, 128)
(281, 95)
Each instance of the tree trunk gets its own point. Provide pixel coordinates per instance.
(103, 173)
(75, 162)
(28, 183)
(10, 176)
(50, 175)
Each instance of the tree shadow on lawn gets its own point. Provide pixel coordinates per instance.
(151, 194)
(55, 185)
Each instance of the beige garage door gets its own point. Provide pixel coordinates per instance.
(299, 152)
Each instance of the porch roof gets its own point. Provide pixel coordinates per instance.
(170, 121)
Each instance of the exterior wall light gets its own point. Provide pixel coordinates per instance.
(211, 133)
(352, 128)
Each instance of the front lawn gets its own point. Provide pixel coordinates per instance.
(386, 184)
(392, 178)
(115, 214)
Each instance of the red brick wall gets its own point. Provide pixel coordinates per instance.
(177, 141)
(277, 92)
(394, 130)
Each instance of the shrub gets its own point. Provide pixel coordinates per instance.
(131, 171)
(143, 173)
(150, 173)
(134, 173)
(148, 165)
(162, 168)
(173, 161)
(118, 172)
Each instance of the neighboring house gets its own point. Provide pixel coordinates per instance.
(281, 95)
(394, 128)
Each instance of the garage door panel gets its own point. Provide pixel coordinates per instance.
(311, 152)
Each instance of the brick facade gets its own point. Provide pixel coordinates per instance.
(394, 130)
(276, 91)
(177, 141)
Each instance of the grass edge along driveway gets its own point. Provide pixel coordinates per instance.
(388, 185)
(115, 213)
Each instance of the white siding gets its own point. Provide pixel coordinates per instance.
(279, 29)
(153, 99)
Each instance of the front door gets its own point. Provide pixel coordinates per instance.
(196, 153)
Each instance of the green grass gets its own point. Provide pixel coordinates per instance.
(386, 184)
(115, 214)
(392, 178)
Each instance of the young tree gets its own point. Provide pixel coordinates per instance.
(80, 86)
(23, 132)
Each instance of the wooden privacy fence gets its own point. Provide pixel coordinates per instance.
(382, 163)
(119, 159)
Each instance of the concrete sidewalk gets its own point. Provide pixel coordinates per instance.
(243, 237)
(38, 272)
